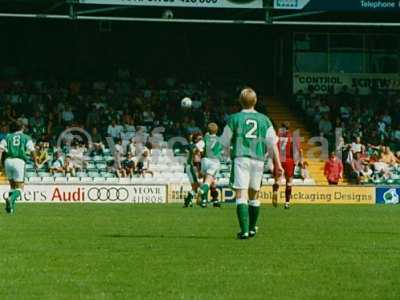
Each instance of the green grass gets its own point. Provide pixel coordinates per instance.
(166, 252)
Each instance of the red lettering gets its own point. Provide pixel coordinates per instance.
(56, 194)
(77, 196)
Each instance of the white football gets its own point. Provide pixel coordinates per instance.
(186, 102)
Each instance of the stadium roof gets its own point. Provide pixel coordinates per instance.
(71, 9)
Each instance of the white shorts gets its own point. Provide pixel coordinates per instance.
(247, 173)
(191, 173)
(210, 166)
(15, 169)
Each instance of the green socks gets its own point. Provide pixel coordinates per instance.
(14, 195)
(254, 212)
(204, 191)
(242, 210)
(189, 198)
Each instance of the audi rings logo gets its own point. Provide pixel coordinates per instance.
(108, 194)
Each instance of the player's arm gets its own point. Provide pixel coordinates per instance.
(3, 147)
(200, 145)
(226, 137)
(272, 148)
(31, 149)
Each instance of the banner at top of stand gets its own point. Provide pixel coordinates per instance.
(338, 5)
(182, 3)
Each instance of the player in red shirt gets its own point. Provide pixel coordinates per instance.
(290, 153)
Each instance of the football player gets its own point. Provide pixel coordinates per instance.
(289, 153)
(17, 147)
(251, 135)
(210, 163)
(192, 166)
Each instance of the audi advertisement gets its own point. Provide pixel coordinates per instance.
(91, 193)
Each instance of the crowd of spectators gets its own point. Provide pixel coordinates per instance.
(362, 130)
(114, 113)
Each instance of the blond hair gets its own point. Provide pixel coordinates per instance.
(248, 98)
(212, 128)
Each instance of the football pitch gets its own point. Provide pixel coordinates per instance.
(78, 251)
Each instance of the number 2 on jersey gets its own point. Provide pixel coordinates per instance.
(251, 134)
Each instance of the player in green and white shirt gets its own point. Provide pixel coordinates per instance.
(250, 135)
(191, 170)
(212, 150)
(17, 146)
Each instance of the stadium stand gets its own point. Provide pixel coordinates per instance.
(363, 130)
(61, 128)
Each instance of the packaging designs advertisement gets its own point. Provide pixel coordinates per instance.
(301, 194)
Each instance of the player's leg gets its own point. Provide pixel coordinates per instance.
(193, 181)
(209, 168)
(288, 191)
(15, 171)
(275, 190)
(9, 168)
(289, 173)
(254, 212)
(241, 180)
(19, 187)
(8, 207)
(204, 189)
(257, 171)
(214, 195)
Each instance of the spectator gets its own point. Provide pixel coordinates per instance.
(76, 155)
(356, 167)
(148, 116)
(41, 155)
(68, 167)
(143, 165)
(114, 130)
(128, 164)
(37, 126)
(325, 126)
(324, 108)
(97, 142)
(395, 136)
(333, 169)
(126, 135)
(366, 173)
(118, 154)
(300, 99)
(345, 112)
(373, 138)
(387, 118)
(3, 131)
(93, 117)
(24, 120)
(305, 174)
(192, 128)
(128, 123)
(67, 116)
(356, 146)
(57, 165)
(388, 157)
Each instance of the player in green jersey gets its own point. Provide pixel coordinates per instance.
(17, 146)
(250, 135)
(212, 150)
(191, 169)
